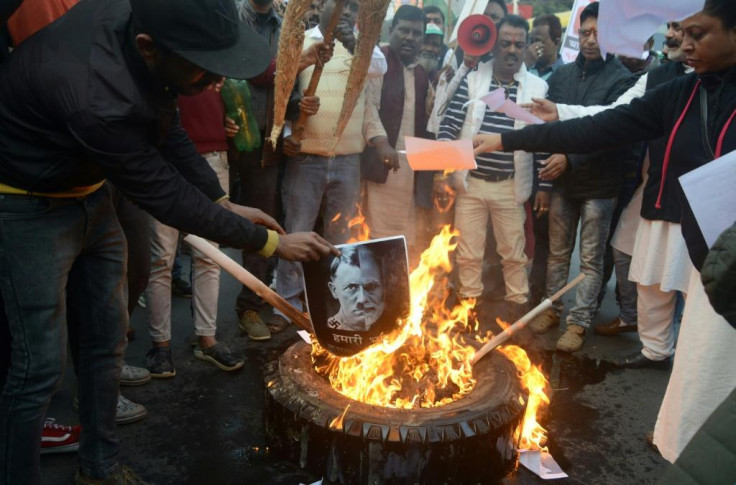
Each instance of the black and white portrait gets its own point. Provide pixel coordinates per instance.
(354, 298)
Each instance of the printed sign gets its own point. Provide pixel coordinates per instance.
(355, 298)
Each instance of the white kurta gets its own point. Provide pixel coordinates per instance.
(660, 256)
(703, 373)
(389, 207)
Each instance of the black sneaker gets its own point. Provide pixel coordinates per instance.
(221, 356)
(179, 287)
(159, 363)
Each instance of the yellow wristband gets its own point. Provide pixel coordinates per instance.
(271, 244)
(224, 197)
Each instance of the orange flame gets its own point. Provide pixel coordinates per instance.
(530, 435)
(358, 227)
(413, 366)
(425, 362)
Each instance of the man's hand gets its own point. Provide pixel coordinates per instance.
(470, 61)
(304, 246)
(256, 216)
(231, 129)
(534, 53)
(542, 108)
(457, 180)
(554, 166)
(292, 147)
(309, 105)
(387, 154)
(345, 34)
(319, 54)
(486, 143)
(541, 203)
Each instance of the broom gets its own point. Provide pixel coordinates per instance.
(370, 21)
(287, 62)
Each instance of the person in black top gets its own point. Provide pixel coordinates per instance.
(586, 192)
(92, 97)
(696, 113)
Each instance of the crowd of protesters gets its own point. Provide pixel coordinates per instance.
(113, 144)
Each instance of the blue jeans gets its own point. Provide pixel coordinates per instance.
(595, 220)
(62, 261)
(312, 182)
(626, 288)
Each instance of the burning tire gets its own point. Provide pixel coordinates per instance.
(467, 441)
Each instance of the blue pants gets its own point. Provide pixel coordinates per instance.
(312, 182)
(594, 216)
(62, 261)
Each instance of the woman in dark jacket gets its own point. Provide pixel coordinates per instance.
(697, 115)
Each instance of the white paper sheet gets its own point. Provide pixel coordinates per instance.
(624, 25)
(711, 192)
(305, 336)
(496, 101)
(542, 464)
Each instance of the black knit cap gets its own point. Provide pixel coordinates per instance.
(207, 33)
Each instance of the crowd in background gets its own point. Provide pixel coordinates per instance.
(518, 213)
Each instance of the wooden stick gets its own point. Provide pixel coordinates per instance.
(247, 278)
(300, 124)
(523, 321)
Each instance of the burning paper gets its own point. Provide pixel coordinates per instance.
(541, 463)
(355, 298)
(425, 154)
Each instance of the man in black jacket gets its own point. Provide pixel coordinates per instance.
(657, 264)
(92, 97)
(588, 188)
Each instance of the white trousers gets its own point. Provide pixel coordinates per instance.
(702, 376)
(472, 210)
(656, 309)
(205, 275)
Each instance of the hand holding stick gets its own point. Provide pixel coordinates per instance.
(523, 321)
(244, 276)
(298, 129)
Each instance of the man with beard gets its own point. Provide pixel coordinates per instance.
(430, 57)
(395, 200)
(586, 192)
(649, 250)
(89, 98)
(502, 183)
(436, 19)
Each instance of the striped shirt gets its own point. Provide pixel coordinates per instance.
(494, 163)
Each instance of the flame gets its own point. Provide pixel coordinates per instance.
(358, 227)
(416, 365)
(425, 362)
(530, 435)
(338, 422)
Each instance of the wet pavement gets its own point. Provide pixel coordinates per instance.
(205, 426)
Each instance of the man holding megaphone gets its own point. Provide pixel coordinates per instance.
(502, 183)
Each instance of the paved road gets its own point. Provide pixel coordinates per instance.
(205, 426)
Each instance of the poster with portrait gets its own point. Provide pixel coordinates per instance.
(355, 298)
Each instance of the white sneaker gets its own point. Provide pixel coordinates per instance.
(129, 412)
(134, 376)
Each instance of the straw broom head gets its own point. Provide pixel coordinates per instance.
(370, 21)
(287, 62)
